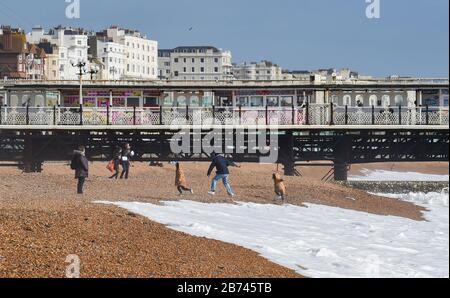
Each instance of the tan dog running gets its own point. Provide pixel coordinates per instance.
(280, 188)
(180, 180)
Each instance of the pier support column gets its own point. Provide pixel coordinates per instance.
(29, 164)
(340, 172)
(287, 153)
(342, 155)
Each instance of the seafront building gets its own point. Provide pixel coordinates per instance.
(18, 59)
(69, 44)
(203, 63)
(125, 54)
(257, 71)
(115, 53)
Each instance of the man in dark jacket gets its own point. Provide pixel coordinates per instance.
(127, 155)
(221, 165)
(80, 165)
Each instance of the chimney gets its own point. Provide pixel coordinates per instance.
(7, 39)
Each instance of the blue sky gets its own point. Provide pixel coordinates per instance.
(410, 38)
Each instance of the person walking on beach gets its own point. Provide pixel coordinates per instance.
(80, 165)
(221, 165)
(127, 154)
(180, 180)
(117, 155)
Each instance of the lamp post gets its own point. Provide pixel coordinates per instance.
(113, 70)
(82, 71)
(30, 66)
(93, 71)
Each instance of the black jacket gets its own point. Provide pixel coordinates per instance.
(127, 154)
(117, 154)
(221, 164)
(81, 165)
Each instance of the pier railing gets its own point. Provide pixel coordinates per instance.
(316, 115)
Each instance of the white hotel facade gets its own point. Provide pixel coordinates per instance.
(257, 71)
(71, 45)
(195, 63)
(129, 55)
(117, 53)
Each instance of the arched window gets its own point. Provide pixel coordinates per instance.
(347, 100)
(39, 101)
(25, 100)
(386, 101)
(335, 99)
(399, 100)
(194, 101)
(359, 100)
(14, 100)
(181, 101)
(373, 100)
(167, 101)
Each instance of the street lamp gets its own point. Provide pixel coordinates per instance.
(113, 70)
(82, 71)
(93, 71)
(30, 66)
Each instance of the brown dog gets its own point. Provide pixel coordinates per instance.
(280, 188)
(180, 180)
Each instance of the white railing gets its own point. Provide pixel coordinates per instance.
(318, 115)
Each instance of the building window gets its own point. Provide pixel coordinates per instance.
(193, 69)
(202, 69)
(184, 60)
(176, 73)
(175, 60)
(202, 60)
(216, 69)
(216, 60)
(193, 60)
(184, 69)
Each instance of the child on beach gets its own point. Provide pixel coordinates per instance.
(180, 180)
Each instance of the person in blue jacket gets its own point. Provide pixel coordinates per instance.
(221, 165)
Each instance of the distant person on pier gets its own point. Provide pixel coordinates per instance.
(180, 180)
(127, 155)
(117, 155)
(80, 165)
(221, 165)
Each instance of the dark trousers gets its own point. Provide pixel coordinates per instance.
(181, 188)
(80, 185)
(116, 169)
(125, 169)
